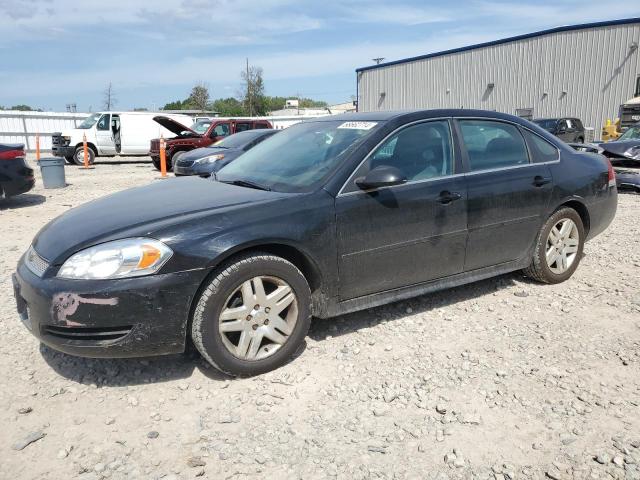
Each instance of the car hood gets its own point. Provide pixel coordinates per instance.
(619, 147)
(173, 126)
(141, 211)
(205, 152)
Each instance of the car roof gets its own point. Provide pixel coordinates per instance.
(398, 114)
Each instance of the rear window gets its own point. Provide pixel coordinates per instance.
(493, 145)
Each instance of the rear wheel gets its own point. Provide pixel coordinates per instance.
(156, 162)
(69, 159)
(253, 315)
(78, 157)
(558, 248)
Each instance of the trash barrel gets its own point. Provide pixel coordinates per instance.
(52, 170)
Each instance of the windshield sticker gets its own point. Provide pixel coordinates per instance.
(358, 125)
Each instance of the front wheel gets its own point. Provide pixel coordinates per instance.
(78, 157)
(70, 159)
(558, 248)
(253, 315)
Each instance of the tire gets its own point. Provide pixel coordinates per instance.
(70, 160)
(224, 292)
(540, 269)
(156, 162)
(78, 157)
(580, 140)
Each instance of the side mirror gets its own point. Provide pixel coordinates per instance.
(382, 176)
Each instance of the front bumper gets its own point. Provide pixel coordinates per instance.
(194, 169)
(63, 151)
(107, 318)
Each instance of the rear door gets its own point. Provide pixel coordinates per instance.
(397, 236)
(242, 126)
(104, 136)
(508, 194)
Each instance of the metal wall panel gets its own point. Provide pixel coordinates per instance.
(596, 68)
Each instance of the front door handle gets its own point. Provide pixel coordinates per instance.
(446, 197)
(539, 181)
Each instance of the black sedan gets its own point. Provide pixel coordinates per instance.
(329, 216)
(207, 160)
(15, 176)
(626, 149)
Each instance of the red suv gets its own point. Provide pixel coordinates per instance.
(202, 134)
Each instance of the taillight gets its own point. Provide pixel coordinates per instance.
(11, 154)
(612, 174)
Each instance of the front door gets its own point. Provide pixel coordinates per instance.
(507, 193)
(104, 136)
(406, 234)
(219, 130)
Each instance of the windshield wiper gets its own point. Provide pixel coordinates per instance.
(247, 183)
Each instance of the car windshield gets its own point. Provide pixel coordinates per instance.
(548, 125)
(633, 133)
(239, 140)
(201, 126)
(90, 121)
(299, 157)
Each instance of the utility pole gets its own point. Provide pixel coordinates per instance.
(249, 90)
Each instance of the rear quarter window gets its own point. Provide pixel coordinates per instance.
(541, 150)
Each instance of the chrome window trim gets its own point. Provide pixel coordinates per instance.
(341, 192)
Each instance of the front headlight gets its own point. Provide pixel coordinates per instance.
(210, 158)
(633, 152)
(131, 257)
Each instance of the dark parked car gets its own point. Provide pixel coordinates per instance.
(204, 161)
(567, 129)
(625, 149)
(627, 179)
(203, 134)
(329, 216)
(15, 176)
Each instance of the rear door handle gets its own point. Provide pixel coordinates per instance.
(539, 181)
(447, 197)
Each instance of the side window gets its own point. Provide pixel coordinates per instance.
(103, 123)
(220, 130)
(242, 127)
(260, 125)
(569, 124)
(541, 150)
(493, 144)
(420, 151)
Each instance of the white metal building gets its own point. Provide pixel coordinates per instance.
(584, 71)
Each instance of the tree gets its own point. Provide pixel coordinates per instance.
(199, 98)
(22, 107)
(229, 107)
(253, 91)
(109, 98)
(177, 105)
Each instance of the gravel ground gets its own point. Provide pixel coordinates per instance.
(504, 378)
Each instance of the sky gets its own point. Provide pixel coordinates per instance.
(55, 52)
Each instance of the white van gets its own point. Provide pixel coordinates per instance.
(112, 133)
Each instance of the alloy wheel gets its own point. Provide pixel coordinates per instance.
(258, 318)
(562, 246)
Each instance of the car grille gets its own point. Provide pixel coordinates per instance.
(88, 334)
(35, 262)
(155, 145)
(58, 141)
